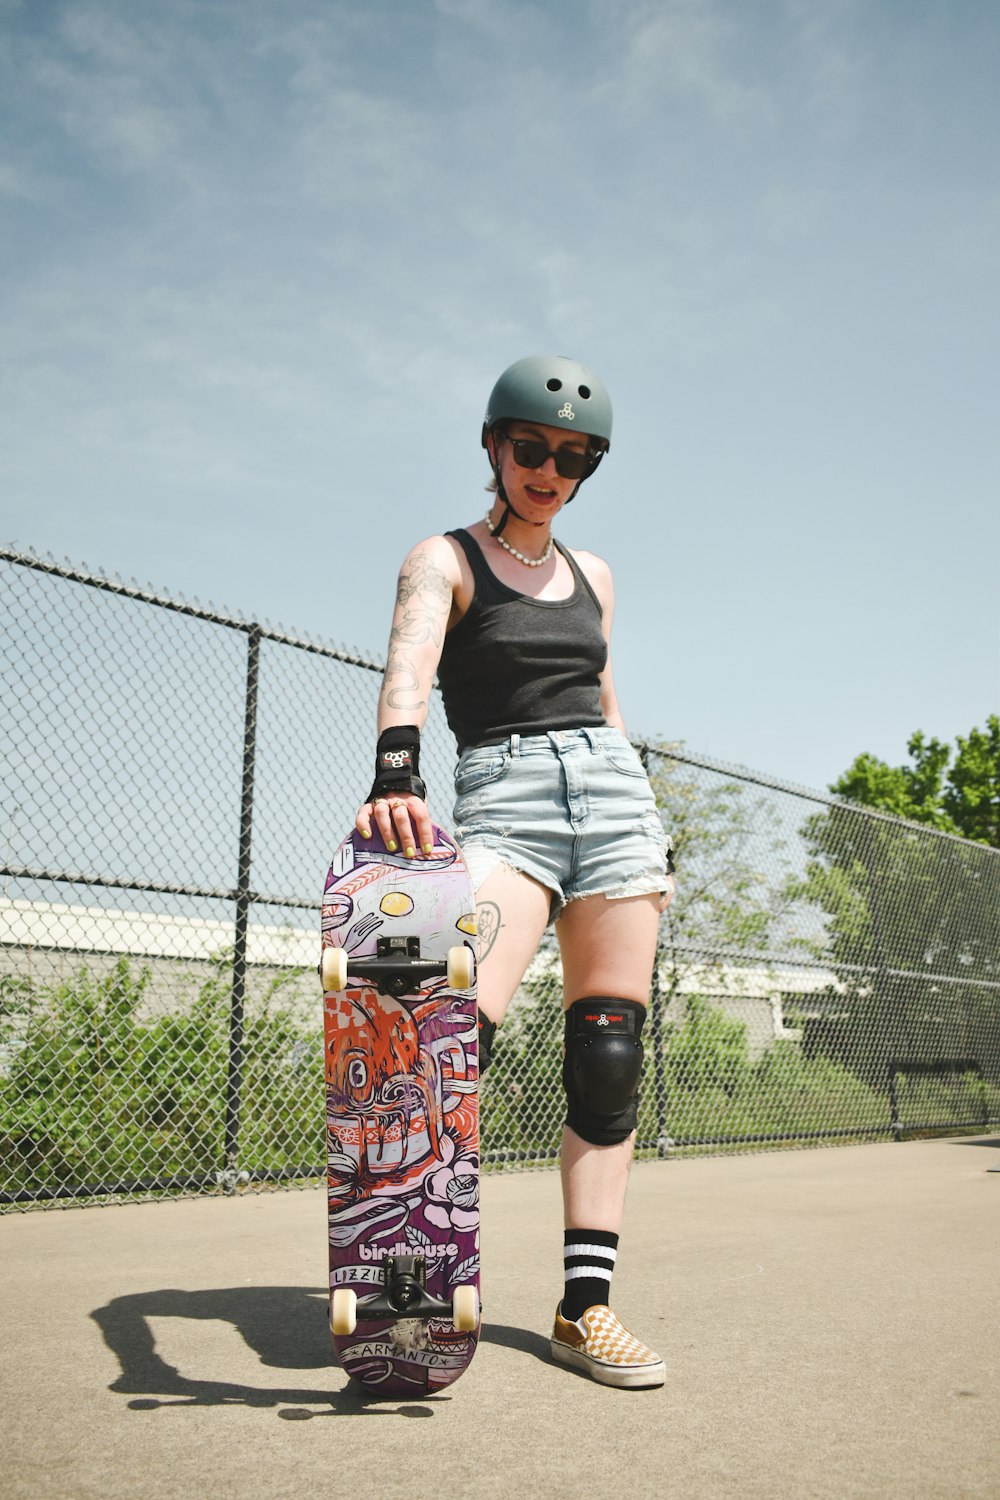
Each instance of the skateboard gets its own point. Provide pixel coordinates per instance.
(402, 1113)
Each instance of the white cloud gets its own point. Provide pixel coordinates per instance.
(681, 51)
(19, 182)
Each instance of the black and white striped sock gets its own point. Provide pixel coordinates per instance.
(589, 1255)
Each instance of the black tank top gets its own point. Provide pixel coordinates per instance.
(516, 665)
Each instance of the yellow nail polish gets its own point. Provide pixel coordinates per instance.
(392, 846)
(428, 848)
(410, 851)
(366, 833)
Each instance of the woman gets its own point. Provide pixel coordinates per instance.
(554, 812)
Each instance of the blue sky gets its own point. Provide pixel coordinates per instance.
(260, 265)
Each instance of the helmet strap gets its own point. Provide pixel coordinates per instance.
(507, 508)
(597, 458)
(504, 499)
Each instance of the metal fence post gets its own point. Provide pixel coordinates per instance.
(885, 994)
(659, 1070)
(656, 1022)
(244, 896)
(894, 1116)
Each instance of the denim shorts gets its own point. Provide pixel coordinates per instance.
(572, 808)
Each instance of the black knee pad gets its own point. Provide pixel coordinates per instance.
(487, 1031)
(601, 1068)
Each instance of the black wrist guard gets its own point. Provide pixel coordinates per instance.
(397, 763)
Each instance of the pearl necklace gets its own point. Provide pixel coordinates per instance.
(529, 562)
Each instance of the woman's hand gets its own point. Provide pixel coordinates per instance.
(403, 820)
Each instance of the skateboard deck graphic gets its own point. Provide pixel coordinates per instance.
(401, 1050)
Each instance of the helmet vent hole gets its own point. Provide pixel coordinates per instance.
(584, 391)
(554, 384)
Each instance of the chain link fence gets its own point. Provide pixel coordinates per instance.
(174, 782)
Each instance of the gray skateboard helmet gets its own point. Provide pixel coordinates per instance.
(555, 391)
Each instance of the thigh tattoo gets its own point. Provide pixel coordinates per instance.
(489, 923)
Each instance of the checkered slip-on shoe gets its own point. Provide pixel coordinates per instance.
(600, 1347)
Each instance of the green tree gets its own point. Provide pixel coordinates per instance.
(972, 796)
(729, 846)
(960, 797)
(910, 928)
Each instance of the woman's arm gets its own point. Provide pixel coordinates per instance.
(424, 601)
(424, 594)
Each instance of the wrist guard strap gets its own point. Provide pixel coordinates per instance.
(397, 763)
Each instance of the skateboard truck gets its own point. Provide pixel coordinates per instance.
(396, 968)
(404, 1294)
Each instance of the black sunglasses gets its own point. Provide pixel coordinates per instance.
(532, 453)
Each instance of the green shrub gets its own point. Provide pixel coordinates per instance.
(94, 1094)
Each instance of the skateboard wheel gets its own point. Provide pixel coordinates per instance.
(334, 969)
(465, 1309)
(344, 1310)
(460, 971)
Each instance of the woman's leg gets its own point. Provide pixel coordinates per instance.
(608, 948)
(513, 912)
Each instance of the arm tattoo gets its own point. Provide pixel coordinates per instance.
(422, 577)
(402, 682)
(423, 602)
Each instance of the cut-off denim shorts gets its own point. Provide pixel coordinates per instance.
(572, 808)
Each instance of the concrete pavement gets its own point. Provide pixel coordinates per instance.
(829, 1319)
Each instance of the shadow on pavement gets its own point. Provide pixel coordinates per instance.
(516, 1338)
(285, 1326)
